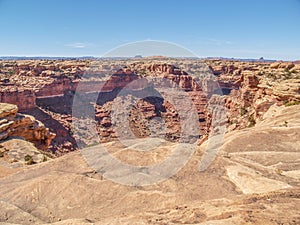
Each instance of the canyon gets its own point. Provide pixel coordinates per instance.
(52, 108)
(45, 89)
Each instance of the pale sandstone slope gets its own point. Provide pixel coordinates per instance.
(254, 180)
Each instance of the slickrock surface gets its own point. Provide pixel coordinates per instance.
(253, 180)
(15, 150)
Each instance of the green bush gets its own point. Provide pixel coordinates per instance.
(243, 111)
(27, 157)
(260, 73)
(287, 103)
(45, 159)
(251, 120)
(29, 160)
(92, 144)
(11, 72)
(270, 75)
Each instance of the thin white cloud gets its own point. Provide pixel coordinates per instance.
(78, 45)
(218, 42)
(228, 42)
(214, 42)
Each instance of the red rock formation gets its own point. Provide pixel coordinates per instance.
(250, 89)
(25, 99)
(124, 79)
(13, 124)
(247, 103)
(58, 87)
(145, 110)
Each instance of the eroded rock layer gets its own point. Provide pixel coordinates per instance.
(14, 125)
(46, 90)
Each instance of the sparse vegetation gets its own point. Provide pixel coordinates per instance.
(279, 171)
(71, 132)
(251, 120)
(92, 144)
(243, 111)
(260, 73)
(293, 71)
(27, 157)
(269, 84)
(11, 72)
(287, 74)
(143, 72)
(290, 103)
(270, 75)
(29, 160)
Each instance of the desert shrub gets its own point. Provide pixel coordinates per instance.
(45, 159)
(11, 72)
(279, 171)
(92, 144)
(287, 75)
(1, 154)
(143, 72)
(27, 157)
(243, 111)
(260, 73)
(71, 132)
(269, 84)
(270, 75)
(287, 103)
(251, 120)
(29, 160)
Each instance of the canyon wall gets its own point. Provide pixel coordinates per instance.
(25, 99)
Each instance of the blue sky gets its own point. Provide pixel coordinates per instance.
(228, 28)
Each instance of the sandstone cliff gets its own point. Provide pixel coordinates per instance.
(17, 125)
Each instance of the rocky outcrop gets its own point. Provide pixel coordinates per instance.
(16, 150)
(251, 88)
(13, 124)
(165, 68)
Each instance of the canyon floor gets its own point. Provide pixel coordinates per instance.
(253, 178)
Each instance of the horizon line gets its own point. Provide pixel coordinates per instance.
(144, 57)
